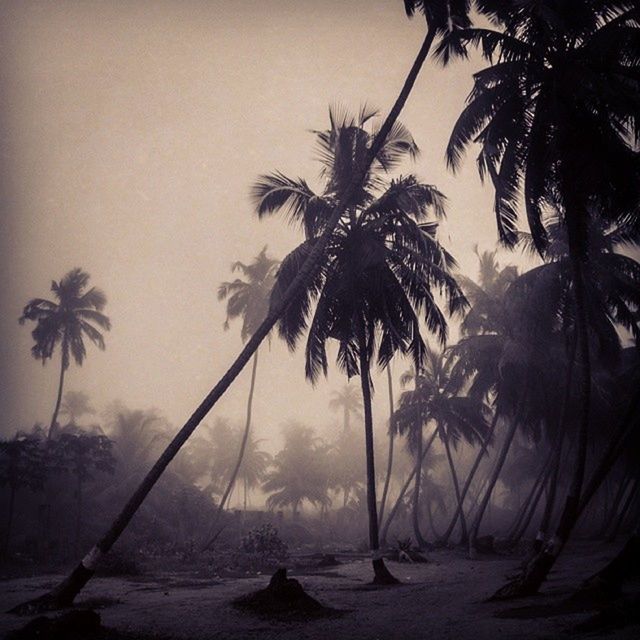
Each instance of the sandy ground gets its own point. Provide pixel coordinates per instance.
(439, 600)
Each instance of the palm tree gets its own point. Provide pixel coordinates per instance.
(380, 267)
(76, 404)
(346, 465)
(248, 299)
(349, 401)
(65, 592)
(255, 463)
(66, 322)
(299, 471)
(437, 398)
(556, 116)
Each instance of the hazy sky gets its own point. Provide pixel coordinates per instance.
(131, 133)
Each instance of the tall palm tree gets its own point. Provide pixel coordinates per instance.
(65, 592)
(380, 268)
(349, 401)
(73, 315)
(248, 299)
(556, 117)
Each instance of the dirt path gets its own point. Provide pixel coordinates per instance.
(439, 600)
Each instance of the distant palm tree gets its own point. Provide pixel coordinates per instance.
(299, 471)
(381, 266)
(66, 323)
(350, 401)
(76, 404)
(438, 398)
(248, 299)
(253, 470)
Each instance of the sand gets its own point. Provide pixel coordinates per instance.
(439, 600)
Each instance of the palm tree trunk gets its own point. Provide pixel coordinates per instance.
(56, 409)
(531, 505)
(243, 445)
(403, 490)
(456, 486)
(475, 527)
(78, 515)
(381, 573)
(536, 571)
(65, 592)
(387, 479)
(415, 511)
(469, 480)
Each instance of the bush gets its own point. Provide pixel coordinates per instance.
(264, 542)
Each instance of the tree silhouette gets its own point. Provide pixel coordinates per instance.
(75, 314)
(380, 270)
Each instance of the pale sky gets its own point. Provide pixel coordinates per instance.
(131, 134)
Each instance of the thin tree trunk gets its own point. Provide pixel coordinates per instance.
(243, 445)
(381, 573)
(467, 484)
(536, 571)
(415, 510)
(612, 511)
(65, 592)
(54, 417)
(403, 490)
(475, 527)
(522, 527)
(387, 479)
(456, 486)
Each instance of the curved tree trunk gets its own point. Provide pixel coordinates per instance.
(456, 486)
(65, 592)
(469, 480)
(475, 527)
(243, 445)
(387, 479)
(623, 512)
(403, 490)
(381, 573)
(415, 510)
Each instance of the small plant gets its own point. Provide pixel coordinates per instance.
(265, 542)
(404, 544)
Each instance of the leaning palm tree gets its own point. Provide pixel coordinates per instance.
(248, 299)
(556, 116)
(380, 270)
(255, 463)
(63, 594)
(73, 315)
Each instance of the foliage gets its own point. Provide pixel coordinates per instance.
(265, 542)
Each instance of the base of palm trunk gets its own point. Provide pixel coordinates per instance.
(529, 581)
(61, 597)
(382, 575)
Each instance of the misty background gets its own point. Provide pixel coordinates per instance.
(131, 133)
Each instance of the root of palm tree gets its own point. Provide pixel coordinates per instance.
(382, 575)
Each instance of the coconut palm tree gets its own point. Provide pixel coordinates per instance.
(349, 401)
(253, 470)
(556, 116)
(299, 471)
(73, 315)
(63, 594)
(380, 267)
(76, 404)
(437, 398)
(248, 299)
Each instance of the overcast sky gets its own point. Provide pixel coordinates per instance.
(131, 133)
